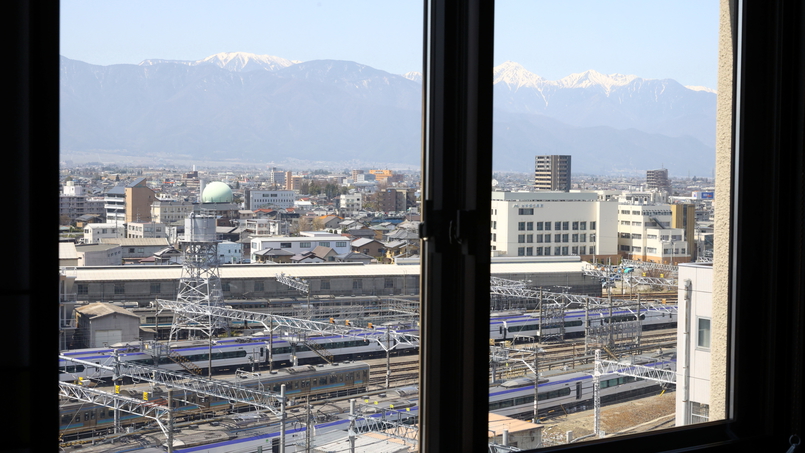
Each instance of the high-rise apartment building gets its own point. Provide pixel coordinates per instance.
(658, 179)
(552, 173)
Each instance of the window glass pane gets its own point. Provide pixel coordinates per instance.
(640, 233)
(296, 128)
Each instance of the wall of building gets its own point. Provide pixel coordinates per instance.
(694, 344)
(594, 219)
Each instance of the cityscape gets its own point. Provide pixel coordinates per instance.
(247, 238)
(159, 263)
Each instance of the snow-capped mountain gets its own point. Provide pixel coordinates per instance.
(591, 99)
(252, 108)
(413, 75)
(234, 61)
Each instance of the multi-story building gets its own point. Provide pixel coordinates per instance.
(683, 215)
(658, 180)
(170, 211)
(114, 205)
(301, 244)
(293, 182)
(256, 199)
(138, 199)
(552, 172)
(73, 203)
(646, 233)
(394, 200)
(693, 359)
(94, 232)
(553, 223)
(146, 230)
(351, 202)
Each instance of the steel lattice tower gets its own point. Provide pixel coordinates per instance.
(200, 282)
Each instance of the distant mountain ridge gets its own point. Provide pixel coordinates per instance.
(259, 108)
(234, 61)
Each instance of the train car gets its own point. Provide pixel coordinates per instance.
(229, 354)
(569, 392)
(301, 383)
(507, 326)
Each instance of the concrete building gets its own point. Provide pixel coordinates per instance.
(683, 216)
(519, 433)
(350, 203)
(99, 255)
(658, 180)
(230, 252)
(170, 211)
(94, 232)
(292, 182)
(394, 200)
(102, 324)
(693, 343)
(143, 284)
(299, 245)
(135, 249)
(146, 230)
(114, 205)
(74, 203)
(256, 199)
(645, 233)
(553, 223)
(552, 172)
(138, 199)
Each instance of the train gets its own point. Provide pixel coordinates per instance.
(302, 383)
(508, 326)
(229, 354)
(570, 392)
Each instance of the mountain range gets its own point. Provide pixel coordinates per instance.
(240, 107)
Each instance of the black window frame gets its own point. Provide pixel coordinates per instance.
(769, 70)
(459, 44)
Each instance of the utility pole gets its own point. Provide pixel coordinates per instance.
(537, 350)
(170, 420)
(388, 358)
(282, 418)
(351, 431)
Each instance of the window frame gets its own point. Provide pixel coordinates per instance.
(457, 99)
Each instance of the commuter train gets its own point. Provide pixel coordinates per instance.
(228, 354)
(231, 353)
(301, 383)
(507, 326)
(565, 393)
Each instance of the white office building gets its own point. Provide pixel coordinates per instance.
(257, 199)
(553, 223)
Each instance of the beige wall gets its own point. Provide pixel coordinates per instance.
(721, 247)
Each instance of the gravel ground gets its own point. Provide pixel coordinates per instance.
(645, 414)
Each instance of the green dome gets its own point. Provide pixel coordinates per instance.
(216, 192)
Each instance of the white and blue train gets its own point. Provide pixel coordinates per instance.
(508, 326)
(228, 354)
(570, 392)
(239, 352)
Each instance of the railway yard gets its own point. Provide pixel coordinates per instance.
(375, 367)
(227, 424)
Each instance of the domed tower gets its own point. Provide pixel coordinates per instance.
(216, 192)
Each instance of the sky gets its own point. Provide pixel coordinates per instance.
(648, 38)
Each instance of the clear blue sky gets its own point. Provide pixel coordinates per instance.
(648, 38)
